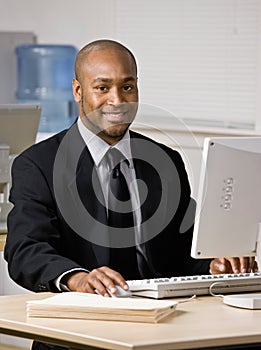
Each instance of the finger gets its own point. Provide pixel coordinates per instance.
(104, 280)
(244, 263)
(100, 282)
(235, 264)
(116, 277)
(111, 279)
(248, 264)
(253, 266)
(220, 265)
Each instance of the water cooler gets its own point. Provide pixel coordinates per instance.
(45, 74)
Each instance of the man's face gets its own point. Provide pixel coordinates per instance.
(107, 93)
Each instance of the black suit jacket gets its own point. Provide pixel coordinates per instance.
(58, 223)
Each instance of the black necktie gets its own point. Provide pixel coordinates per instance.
(120, 215)
(119, 201)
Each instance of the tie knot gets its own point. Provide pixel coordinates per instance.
(115, 158)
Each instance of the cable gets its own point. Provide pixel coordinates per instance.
(188, 299)
(213, 294)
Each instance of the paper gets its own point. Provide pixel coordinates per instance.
(93, 306)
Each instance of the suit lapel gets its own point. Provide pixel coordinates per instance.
(92, 197)
(87, 195)
(152, 195)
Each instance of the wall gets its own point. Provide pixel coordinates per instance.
(212, 65)
(58, 21)
(188, 140)
(199, 59)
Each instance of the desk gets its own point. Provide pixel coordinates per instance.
(201, 322)
(3, 230)
(2, 241)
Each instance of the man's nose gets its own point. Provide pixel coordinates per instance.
(115, 97)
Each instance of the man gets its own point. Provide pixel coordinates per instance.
(60, 236)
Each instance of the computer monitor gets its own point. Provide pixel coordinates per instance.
(19, 125)
(228, 213)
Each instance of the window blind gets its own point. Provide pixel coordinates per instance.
(197, 59)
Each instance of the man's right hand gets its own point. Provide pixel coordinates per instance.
(100, 280)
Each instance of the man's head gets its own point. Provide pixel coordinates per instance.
(105, 86)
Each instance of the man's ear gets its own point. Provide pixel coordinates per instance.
(77, 90)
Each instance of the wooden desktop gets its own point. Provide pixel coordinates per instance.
(2, 241)
(203, 322)
(3, 231)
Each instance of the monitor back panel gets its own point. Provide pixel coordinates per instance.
(228, 206)
(18, 126)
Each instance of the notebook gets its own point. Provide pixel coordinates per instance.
(19, 125)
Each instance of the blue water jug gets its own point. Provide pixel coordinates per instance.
(45, 74)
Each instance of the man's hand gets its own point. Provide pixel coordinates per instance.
(233, 265)
(100, 279)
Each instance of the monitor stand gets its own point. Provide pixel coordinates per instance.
(248, 300)
(258, 248)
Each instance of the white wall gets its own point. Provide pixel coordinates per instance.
(231, 97)
(58, 21)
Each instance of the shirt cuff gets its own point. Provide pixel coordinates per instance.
(62, 287)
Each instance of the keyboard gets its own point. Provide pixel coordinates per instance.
(159, 288)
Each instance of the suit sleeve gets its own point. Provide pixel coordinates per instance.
(170, 249)
(33, 240)
(185, 220)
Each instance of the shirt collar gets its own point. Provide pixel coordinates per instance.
(98, 147)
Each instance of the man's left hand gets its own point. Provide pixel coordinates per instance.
(233, 265)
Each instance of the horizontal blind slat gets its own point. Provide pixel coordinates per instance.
(198, 59)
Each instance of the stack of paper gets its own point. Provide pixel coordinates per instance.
(96, 307)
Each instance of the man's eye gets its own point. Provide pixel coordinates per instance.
(102, 88)
(127, 88)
